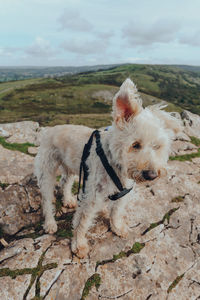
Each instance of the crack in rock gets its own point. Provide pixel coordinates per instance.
(136, 248)
(58, 274)
(194, 282)
(165, 217)
(149, 297)
(175, 282)
(35, 273)
(115, 297)
(94, 280)
(180, 277)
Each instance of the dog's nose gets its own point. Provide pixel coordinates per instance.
(149, 174)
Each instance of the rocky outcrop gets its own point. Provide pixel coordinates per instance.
(191, 123)
(20, 205)
(14, 165)
(20, 132)
(159, 260)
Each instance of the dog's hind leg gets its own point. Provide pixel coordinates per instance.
(46, 164)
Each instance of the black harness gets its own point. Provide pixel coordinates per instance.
(111, 172)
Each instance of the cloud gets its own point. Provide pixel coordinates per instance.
(161, 31)
(9, 51)
(40, 48)
(71, 19)
(5, 51)
(83, 46)
(191, 39)
(97, 44)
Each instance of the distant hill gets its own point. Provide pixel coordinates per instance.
(85, 98)
(21, 73)
(189, 68)
(175, 84)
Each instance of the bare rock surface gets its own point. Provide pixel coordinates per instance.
(191, 123)
(107, 96)
(21, 132)
(19, 206)
(159, 260)
(14, 165)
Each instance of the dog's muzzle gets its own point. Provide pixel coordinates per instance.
(149, 174)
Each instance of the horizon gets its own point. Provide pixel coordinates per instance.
(96, 65)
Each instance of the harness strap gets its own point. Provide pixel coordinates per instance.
(109, 169)
(83, 165)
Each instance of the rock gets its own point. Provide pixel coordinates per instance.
(23, 257)
(11, 289)
(192, 123)
(19, 206)
(21, 132)
(4, 133)
(181, 136)
(74, 275)
(181, 148)
(33, 150)
(107, 96)
(14, 165)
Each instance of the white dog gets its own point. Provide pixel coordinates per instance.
(137, 147)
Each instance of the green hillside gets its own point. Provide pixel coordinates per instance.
(175, 84)
(85, 98)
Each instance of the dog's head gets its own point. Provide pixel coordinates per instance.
(142, 136)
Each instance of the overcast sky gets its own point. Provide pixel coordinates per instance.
(90, 32)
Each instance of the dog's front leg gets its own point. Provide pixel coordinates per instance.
(83, 219)
(118, 215)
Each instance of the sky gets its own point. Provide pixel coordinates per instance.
(92, 32)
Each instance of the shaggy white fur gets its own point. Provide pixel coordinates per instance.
(137, 146)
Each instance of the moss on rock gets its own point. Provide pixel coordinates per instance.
(94, 280)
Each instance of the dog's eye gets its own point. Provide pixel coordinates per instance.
(136, 146)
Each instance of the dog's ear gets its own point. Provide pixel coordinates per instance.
(126, 103)
(170, 122)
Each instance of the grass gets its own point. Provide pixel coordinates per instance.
(186, 157)
(195, 141)
(90, 120)
(4, 185)
(177, 199)
(35, 273)
(166, 217)
(15, 146)
(174, 283)
(52, 102)
(65, 226)
(189, 157)
(171, 83)
(94, 280)
(136, 248)
(74, 99)
(12, 85)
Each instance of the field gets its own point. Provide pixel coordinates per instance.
(85, 98)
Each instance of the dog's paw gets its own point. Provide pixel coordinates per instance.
(120, 230)
(70, 202)
(80, 249)
(50, 227)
